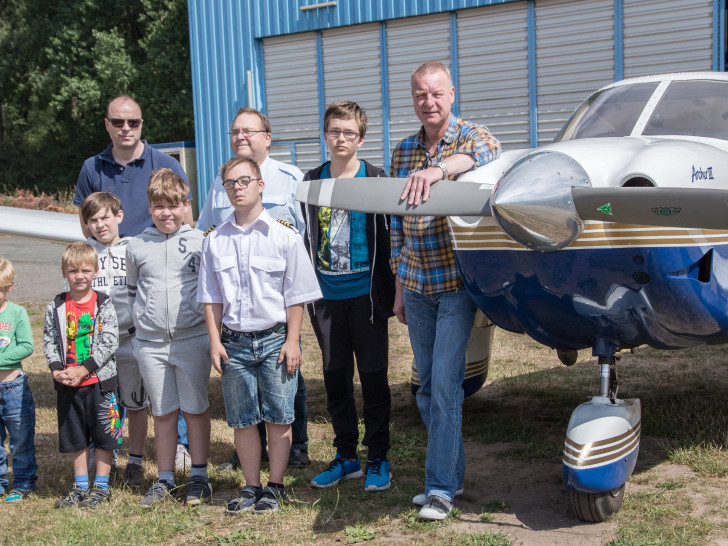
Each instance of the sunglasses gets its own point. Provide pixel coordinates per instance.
(119, 122)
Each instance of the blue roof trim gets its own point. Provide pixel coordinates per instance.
(618, 40)
(278, 17)
(178, 144)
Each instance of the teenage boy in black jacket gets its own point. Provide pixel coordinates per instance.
(350, 251)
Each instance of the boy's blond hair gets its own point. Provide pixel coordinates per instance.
(234, 162)
(167, 185)
(79, 253)
(346, 109)
(97, 201)
(7, 272)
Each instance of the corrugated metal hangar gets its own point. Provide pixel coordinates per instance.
(519, 66)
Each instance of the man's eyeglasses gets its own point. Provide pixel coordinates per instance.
(243, 182)
(333, 134)
(119, 122)
(245, 132)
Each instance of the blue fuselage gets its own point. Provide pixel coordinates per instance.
(668, 297)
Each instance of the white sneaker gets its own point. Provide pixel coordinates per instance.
(436, 509)
(182, 459)
(421, 499)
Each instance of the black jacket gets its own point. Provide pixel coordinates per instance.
(377, 226)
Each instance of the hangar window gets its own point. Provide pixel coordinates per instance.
(693, 108)
(612, 112)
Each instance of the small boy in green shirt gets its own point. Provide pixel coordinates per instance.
(17, 407)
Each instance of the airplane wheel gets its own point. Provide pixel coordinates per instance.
(597, 507)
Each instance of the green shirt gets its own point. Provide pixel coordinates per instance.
(16, 337)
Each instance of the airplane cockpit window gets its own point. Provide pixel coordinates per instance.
(693, 108)
(612, 112)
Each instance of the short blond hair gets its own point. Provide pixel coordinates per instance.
(346, 109)
(430, 67)
(167, 185)
(7, 272)
(79, 253)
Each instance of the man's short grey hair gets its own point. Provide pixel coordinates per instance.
(430, 67)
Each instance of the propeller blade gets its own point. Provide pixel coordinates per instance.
(381, 195)
(53, 226)
(670, 207)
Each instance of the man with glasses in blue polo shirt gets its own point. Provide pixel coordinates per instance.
(124, 167)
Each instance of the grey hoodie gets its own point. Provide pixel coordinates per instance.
(161, 277)
(111, 280)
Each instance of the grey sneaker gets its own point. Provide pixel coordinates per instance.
(199, 491)
(182, 459)
(158, 493)
(436, 509)
(134, 475)
(95, 497)
(246, 501)
(271, 499)
(421, 499)
(74, 498)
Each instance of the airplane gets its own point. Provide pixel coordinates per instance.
(614, 235)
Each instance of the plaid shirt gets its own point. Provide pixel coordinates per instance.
(422, 256)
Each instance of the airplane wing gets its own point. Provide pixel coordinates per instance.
(52, 226)
(670, 207)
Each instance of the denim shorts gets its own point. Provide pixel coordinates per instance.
(254, 385)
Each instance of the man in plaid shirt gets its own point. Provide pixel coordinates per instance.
(430, 296)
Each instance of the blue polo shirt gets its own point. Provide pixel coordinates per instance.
(102, 173)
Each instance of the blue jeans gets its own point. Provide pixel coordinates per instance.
(17, 419)
(439, 328)
(255, 386)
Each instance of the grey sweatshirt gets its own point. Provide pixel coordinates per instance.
(161, 277)
(111, 280)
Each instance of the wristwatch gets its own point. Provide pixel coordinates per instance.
(443, 167)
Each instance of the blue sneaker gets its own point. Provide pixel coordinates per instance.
(339, 469)
(378, 475)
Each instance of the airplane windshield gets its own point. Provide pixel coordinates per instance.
(609, 113)
(694, 108)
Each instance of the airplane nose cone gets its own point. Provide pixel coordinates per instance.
(532, 201)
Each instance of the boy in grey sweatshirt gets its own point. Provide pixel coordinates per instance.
(162, 265)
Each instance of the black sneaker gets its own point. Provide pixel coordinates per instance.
(74, 498)
(271, 499)
(134, 475)
(298, 458)
(199, 491)
(95, 497)
(233, 463)
(246, 501)
(158, 493)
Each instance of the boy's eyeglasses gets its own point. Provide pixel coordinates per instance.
(333, 134)
(243, 182)
(119, 122)
(245, 132)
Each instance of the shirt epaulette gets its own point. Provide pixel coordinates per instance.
(286, 223)
(209, 230)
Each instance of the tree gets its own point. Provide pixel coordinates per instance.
(60, 64)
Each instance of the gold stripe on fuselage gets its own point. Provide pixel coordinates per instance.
(595, 235)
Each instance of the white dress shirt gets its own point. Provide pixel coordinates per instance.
(279, 197)
(255, 273)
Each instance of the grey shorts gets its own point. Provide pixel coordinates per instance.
(176, 373)
(132, 394)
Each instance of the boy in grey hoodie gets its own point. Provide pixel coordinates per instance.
(172, 347)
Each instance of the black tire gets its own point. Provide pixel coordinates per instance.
(597, 507)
